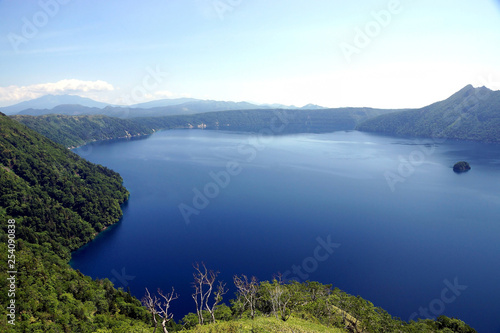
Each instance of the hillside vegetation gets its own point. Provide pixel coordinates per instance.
(277, 306)
(66, 199)
(72, 131)
(470, 114)
(59, 202)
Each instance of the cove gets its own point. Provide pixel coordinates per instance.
(381, 217)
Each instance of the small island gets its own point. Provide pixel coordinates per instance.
(462, 166)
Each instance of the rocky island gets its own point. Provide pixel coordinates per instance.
(461, 167)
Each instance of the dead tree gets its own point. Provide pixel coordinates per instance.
(161, 308)
(165, 306)
(203, 285)
(248, 291)
(151, 304)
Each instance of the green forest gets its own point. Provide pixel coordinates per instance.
(53, 202)
(73, 131)
(59, 202)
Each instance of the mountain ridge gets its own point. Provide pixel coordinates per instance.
(50, 101)
(469, 114)
(76, 105)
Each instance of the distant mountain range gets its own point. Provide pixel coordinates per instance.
(51, 101)
(75, 105)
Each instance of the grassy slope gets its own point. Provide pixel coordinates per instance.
(267, 324)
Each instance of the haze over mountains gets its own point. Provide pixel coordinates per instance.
(51, 101)
(470, 114)
(76, 105)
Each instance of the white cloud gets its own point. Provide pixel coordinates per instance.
(16, 94)
(164, 93)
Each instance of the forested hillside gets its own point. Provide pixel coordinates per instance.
(59, 202)
(470, 114)
(72, 131)
(67, 199)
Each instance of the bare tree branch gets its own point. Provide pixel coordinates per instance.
(151, 302)
(165, 306)
(156, 307)
(203, 285)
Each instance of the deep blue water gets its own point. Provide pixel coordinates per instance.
(276, 200)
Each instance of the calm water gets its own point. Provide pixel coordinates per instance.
(405, 231)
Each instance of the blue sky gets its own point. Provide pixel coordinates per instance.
(386, 53)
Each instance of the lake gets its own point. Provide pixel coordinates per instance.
(381, 217)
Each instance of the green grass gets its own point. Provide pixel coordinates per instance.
(266, 324)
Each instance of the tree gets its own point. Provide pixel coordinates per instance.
(248, 291)
(280, 298)
(167, 298)
(158, 307)
(203, 285)
(151, 303)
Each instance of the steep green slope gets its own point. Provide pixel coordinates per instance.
(67, 199)
(56, 202)
(470, 114)
(71, 131)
